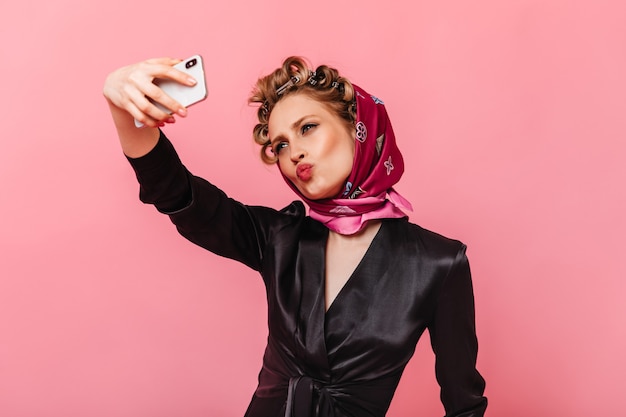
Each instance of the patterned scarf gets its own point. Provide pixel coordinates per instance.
(377, 166)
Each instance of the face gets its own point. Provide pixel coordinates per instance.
(315, 147)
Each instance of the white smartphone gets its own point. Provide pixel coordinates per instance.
(185, 95)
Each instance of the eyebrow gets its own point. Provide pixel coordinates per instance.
(294, 125)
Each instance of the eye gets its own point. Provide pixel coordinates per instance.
(306, 127)
(279, 147)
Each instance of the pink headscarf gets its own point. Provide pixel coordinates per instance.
(377, 166)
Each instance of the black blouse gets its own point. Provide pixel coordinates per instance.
(346, 361)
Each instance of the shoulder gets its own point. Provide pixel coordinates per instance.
(428, 240)
(295, 214)
(285, 223)
(291, 215)
(295, 209)
(429, 252)
(432, 256)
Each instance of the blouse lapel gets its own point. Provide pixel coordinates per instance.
(310, 325)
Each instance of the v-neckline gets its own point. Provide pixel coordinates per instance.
(353, 274)
(314, 321)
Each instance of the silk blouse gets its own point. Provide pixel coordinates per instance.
(346, 361)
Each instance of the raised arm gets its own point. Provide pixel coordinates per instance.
(201, 212)
(127, 90)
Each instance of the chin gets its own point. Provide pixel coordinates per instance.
(319, 195)
(313, 196)
(314, 191)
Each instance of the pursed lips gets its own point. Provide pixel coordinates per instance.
(303, 171)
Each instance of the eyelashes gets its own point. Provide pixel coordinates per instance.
(306, 127)
(280, 145)
(276, 148)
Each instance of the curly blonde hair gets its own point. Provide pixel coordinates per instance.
(324, 85)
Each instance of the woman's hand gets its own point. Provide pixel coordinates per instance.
(130, 88)
(128, 91)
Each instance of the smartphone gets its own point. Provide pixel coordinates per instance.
(184, 94)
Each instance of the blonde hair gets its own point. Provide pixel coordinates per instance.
(324, 85)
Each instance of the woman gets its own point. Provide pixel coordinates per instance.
(352, 286)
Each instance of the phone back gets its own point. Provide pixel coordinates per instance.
(185, 95)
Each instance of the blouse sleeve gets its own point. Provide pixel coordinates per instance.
(453, 338)
(203, 213)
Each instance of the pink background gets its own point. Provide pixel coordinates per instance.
(511, 116)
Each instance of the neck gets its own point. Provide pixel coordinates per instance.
(365, 234)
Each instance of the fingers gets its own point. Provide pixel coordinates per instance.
(132, 88)
(157, 95)
(147, 113)
(164, 61)
(167, 71)
(164, 68)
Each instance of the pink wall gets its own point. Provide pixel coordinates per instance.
(511, 115)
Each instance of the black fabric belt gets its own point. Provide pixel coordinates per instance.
(308, 398)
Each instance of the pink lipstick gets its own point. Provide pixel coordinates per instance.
(303, 171)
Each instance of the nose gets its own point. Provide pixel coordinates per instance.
(297, 152)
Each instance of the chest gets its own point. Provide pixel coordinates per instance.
(329, 307)
(342, 257)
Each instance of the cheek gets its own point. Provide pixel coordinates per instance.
(347, 152)
(285, 170)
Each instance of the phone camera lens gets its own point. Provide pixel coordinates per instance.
(191, 63)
